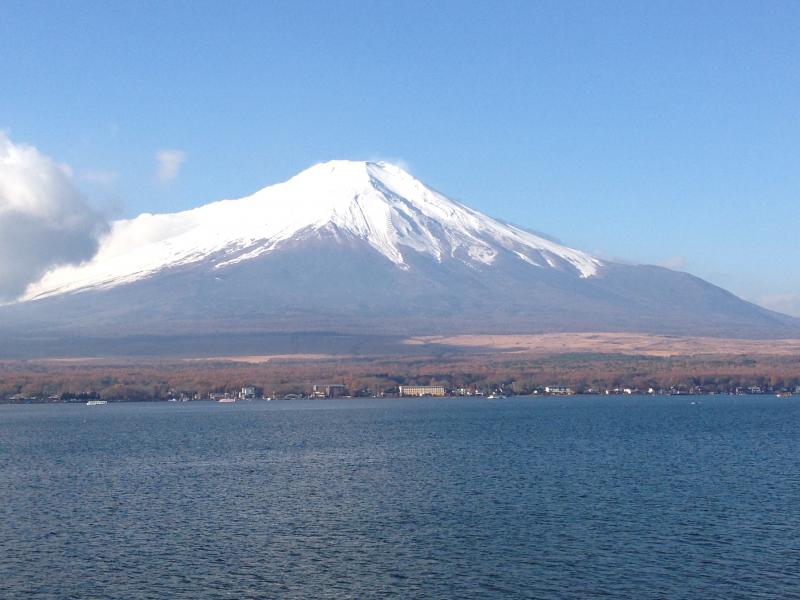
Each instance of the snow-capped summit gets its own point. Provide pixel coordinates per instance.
(378, 203)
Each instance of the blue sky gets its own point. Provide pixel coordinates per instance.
(658, 132)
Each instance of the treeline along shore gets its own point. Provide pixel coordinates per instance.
(583, 373)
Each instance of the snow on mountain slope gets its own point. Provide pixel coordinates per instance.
(375, 202)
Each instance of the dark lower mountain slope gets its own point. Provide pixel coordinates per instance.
(338, 289)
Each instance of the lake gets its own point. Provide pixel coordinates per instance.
(578, 497)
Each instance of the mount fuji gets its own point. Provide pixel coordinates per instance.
(358, 248)
(374, 203)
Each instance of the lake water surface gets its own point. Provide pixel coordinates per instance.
(581, 497)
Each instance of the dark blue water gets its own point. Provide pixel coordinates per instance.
(519, 498)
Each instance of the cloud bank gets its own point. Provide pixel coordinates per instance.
(169, 164)
(45, 221)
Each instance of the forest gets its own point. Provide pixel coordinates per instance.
(121, 380)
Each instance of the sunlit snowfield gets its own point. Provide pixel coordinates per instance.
(455, 498)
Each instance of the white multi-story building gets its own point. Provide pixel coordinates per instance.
(421, 390)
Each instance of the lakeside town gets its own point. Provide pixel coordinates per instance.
(331, 391)
(489, 376)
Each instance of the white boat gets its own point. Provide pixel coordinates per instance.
(227, 400)
(96, 402)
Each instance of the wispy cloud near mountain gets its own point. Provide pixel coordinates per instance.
(169, 163)
(676, 263)
(785, 303)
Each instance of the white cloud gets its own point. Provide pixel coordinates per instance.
(788, 304)
(169, 164)
(45, 221)
(676, 263)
